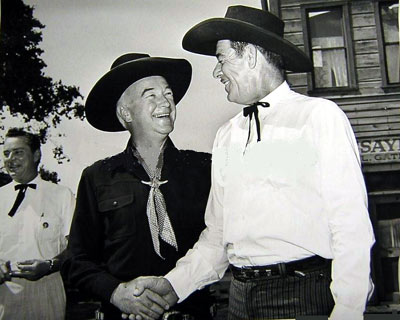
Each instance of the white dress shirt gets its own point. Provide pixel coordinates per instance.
(38, 230)
(298, 192)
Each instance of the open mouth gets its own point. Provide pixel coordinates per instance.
(12, 168)
(225, 81)
(161, 115)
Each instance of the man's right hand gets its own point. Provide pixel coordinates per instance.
(5, 268)
(148, 304)
(158, 285)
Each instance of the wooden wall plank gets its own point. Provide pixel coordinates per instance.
(371, 106)
(362, 7)
(297, 79)
(295, 38)
(367, 60)
(366, 46)
(388, 114)
(377, 127)
(363, 20)
(364, 33)
(293, 26)
(291, 13)
(373, 134)
(368, 73)
(373, 120)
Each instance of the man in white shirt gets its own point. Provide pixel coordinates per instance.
(288, 208)
(35, 217)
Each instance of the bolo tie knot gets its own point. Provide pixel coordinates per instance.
(253, 110)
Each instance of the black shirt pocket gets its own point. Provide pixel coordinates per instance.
(116, 203)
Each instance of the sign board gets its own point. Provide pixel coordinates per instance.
(380, 150)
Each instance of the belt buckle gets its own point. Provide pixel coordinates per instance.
(266, 272)
(249, 272)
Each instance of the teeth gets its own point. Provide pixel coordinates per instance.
(162, 115)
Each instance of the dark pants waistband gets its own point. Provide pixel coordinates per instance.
(298, 268)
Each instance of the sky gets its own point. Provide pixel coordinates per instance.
(82, 38)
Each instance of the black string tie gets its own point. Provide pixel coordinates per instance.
(249, 111)
(20, 196)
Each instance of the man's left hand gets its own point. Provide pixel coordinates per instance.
(5, 267)
(32, 269)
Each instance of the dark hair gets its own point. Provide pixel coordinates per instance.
(272, 57)
(32, 140)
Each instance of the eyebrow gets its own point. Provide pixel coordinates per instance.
(13, 150)
(146, 90)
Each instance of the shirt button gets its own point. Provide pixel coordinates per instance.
(45, 225)
(115, 203)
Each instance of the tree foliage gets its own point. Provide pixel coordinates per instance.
(25, 90)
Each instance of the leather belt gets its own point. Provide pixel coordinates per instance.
(297, 268)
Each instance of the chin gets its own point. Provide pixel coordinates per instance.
(166, 131)
(233, 99)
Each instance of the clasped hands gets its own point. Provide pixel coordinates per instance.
(144, 298)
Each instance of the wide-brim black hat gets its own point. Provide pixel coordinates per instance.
(100, 106)
(255, 26)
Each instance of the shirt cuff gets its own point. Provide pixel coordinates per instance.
(342, 312)
(181, 288)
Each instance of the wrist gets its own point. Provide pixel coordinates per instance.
(52, 265)
(115, 293)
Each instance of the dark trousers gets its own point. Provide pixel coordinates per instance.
(281, 296)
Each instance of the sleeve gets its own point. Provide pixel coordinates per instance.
(68, 211)
(345, 199)
(207, 261)
(83, 266)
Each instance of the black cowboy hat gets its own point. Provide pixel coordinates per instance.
(246, 24)
(100, 106)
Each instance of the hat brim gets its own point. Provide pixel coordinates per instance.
(203, 38)
(100, 106)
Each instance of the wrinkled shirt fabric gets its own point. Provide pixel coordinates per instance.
(298, 192)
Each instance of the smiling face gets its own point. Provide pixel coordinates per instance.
(19, 160)
(148, 108)
(233, 71)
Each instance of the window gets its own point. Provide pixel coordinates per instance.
(327, 39)
(388, 36)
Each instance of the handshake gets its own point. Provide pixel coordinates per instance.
(144, 298)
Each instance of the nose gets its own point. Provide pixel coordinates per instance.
(164, 102)
(10, 156)
(217, 71)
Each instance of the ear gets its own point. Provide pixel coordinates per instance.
(125, 114)
(251, 51)
(36, 156)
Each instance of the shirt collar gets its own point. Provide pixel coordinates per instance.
(36, 181)
(274, 97)
(127, 160)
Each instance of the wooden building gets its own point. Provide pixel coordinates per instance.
(354, 46)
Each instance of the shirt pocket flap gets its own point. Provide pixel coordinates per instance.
(115, 203)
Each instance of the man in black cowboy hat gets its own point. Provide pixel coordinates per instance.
(288, 208)
(139, 211)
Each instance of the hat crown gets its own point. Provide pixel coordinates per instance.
(260, 18)
(128, 57)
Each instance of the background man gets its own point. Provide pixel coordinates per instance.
(35, 218)
(288, 207)
(139, 211)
